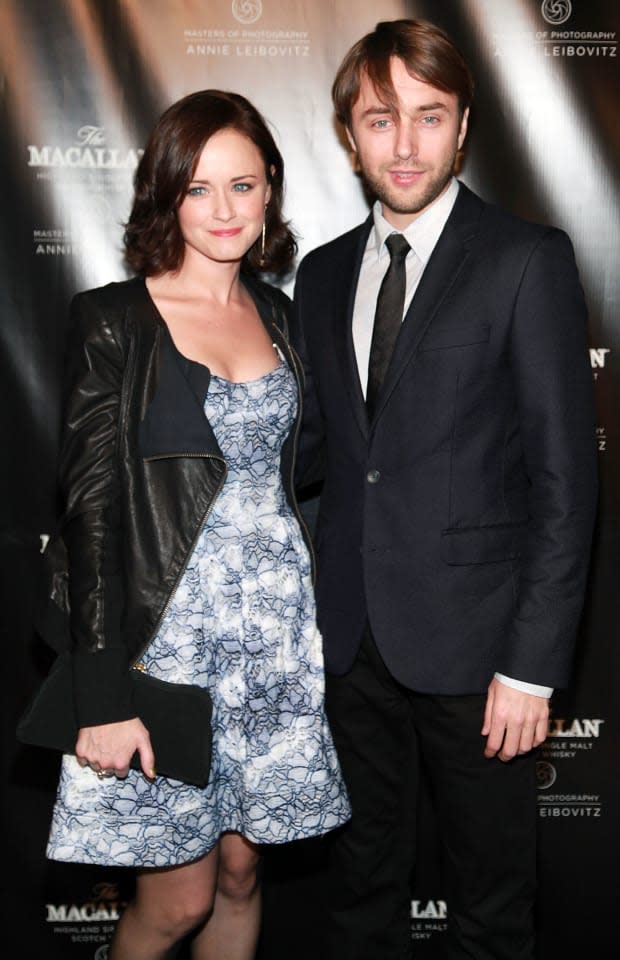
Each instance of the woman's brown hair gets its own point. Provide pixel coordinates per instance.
(153, 240)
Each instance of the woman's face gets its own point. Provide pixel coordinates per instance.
(223, 210)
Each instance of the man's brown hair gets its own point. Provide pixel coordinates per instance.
(426, 51)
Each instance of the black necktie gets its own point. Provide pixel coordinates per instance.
(388, 317)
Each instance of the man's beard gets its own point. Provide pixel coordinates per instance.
(397, 200)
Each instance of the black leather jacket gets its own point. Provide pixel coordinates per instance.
(139, 470)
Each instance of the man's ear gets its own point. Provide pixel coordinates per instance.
(463, 128)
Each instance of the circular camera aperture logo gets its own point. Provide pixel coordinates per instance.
(556, 11)
(545, 775)
(249, 11)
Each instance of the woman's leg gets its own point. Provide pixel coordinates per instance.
(232, 930)
(168, 904)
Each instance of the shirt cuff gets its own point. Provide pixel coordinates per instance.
(532, 688)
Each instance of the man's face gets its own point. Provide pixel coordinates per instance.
(407, 160)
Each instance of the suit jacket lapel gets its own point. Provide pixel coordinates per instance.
(447, 261)
(344, 302)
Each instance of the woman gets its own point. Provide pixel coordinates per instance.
(185, 550)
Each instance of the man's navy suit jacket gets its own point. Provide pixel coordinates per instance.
(459, 521)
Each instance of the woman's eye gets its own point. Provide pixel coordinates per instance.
(196, 191)
(242, 187)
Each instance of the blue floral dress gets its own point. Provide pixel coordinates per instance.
(242, 623)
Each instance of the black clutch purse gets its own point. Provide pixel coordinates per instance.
(177, 716)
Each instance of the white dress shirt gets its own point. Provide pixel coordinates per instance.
(422, 234)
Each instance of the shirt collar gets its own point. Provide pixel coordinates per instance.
(423, 232)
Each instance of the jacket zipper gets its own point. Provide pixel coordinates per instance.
(298, 514)
(128, 373)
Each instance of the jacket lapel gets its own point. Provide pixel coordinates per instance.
(174, 423)
(447, 261)
(343, 304)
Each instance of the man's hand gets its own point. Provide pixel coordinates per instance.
(514, 721)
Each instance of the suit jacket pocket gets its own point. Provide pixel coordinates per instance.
(491, 544)
(443, 337)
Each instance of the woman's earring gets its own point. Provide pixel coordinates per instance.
(262, 260)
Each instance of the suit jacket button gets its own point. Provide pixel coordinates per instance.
(373, 476)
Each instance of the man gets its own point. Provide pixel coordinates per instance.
(457, 509)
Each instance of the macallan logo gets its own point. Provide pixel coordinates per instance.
(89, 152)
(558, 727)
(429, 910)
(104, 906)
(86, 913)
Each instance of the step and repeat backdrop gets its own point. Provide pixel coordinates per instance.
(82, 83)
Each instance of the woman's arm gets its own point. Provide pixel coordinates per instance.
(89, 477)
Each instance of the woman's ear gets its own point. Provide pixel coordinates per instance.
(272, 173)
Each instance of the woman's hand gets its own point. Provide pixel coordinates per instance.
(108, 748)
